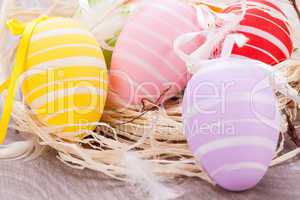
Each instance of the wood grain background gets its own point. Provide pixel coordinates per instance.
(46, 178)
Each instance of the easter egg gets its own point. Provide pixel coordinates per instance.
(144, 64)
(269, 35)
(231, 121)
(65, 80)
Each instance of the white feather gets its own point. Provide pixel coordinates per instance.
(105, 18)
(16, 150)
(140, 175)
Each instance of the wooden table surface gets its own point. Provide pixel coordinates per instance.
(47, 178)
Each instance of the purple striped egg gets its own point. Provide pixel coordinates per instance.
(232, 121)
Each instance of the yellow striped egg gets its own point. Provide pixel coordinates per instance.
(65, 81)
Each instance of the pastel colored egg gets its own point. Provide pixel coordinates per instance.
(65, 80)
(144, 64)
(269, 36)
(231, 121)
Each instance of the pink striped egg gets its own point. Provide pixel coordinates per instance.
(269, 36)
(231, 121)
(144, 64)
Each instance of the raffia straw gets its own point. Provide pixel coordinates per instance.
(105, 154)
(292, 73)
(156, 137)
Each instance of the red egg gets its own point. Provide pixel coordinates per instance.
(269, 36)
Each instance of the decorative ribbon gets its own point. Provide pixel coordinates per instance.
(214, 36)
(11, 84)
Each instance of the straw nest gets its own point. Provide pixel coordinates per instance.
(154, 136)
